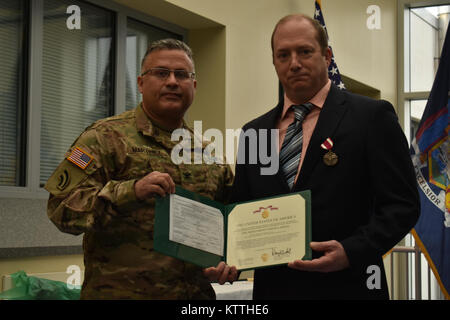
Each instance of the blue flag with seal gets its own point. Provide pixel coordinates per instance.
(430, 152)
(333, 71)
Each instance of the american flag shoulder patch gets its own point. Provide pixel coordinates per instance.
(80, 158)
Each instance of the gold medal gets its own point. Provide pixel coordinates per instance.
(330, 158)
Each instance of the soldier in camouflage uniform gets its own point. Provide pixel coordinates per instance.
(106, 186)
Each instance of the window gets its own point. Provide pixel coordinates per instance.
(77, 77)
(424, 49)
(139, 35)
(416, 108)
(56, 80)
(424, 35)
(12, 88)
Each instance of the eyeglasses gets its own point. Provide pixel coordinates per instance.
(163, 74)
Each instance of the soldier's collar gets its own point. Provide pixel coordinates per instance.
(152, 129)
(148, 126)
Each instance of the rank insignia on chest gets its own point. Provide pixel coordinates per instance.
(80, 158)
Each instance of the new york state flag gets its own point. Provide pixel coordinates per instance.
(430, 151)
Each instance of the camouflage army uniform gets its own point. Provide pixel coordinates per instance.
(100, 202)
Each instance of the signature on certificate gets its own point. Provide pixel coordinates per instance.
(281, 252)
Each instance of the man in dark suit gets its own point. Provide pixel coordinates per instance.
(355, 160)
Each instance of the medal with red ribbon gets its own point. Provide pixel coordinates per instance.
(330, 158)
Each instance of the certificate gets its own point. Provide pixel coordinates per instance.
(248, 235)
(195, 224)
(267, 232)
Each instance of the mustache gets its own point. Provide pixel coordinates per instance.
(175, 92)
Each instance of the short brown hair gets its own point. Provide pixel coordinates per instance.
(321, 34)
(168, 44)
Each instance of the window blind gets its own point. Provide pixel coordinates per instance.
(77, 77)
(139, 36)
(11, 91)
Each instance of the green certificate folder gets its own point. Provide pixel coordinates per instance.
(248, 235)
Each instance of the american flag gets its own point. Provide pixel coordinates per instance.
(333, 71)
(80, 158)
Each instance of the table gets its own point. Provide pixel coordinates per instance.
(239, 290)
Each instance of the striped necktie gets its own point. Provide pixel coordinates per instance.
(291, 149)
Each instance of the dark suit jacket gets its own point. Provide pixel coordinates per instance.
(368, 201)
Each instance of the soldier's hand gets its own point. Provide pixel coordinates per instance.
(154, 183)
(222, 273)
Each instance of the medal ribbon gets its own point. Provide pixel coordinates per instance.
(327, 144)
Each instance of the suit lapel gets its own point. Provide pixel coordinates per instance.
(330, 116)
(269, 120)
